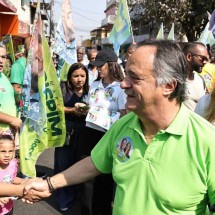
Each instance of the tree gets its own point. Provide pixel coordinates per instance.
(189, 16)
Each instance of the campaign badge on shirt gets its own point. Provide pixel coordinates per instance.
(124, 148)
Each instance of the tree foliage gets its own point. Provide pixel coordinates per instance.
(189, 16)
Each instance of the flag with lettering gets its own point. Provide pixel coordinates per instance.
(121, 30)
(160, 35)
(42, 110)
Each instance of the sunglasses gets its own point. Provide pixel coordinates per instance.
(201, 57)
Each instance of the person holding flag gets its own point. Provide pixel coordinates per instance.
(9, 122)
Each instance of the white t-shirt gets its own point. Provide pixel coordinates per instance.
(111, 98)
(202, 105)
(195, 90)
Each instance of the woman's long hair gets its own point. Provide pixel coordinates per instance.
(115, 72)
(210, 110)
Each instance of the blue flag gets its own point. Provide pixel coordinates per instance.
(207, 35)
(121, 30)
(65, 45)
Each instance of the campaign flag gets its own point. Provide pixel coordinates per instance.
(171, 35)
(121, 30)
(65, 44)
(43, 110)
(7, 40)
(208, 34)
(160, 35)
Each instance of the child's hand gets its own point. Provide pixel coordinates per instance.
(4, 200)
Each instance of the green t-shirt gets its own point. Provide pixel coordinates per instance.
(7, 101)
(174, 174)
(17, 71)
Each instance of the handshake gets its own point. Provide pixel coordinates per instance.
(36, 189)
(30, 190)
(33, 190)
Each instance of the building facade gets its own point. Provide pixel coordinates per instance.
(16, 19)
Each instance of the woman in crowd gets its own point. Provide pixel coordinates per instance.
(74, 90)
(104, 95)
(206, 106)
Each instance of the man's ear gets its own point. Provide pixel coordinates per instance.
(169, 88)
(188, 57)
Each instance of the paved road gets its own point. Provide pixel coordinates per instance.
(48, 206)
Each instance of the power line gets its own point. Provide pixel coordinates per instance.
(82, 30)
(89, 11)
(86, 17)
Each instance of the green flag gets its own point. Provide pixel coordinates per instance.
(171, 35)
(160, 35)
(43, 109)
(121, 30)
(64, 71)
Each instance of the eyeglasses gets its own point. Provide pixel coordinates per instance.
(201, 57)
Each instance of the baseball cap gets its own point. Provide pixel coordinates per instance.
(104, 56)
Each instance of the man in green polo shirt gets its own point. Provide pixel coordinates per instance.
(161, 155)
(8, 120)
(17, 71)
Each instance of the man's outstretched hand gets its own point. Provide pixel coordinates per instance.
(35, 191)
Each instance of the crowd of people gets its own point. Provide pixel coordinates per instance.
(139, 135)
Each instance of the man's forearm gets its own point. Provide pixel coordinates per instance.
(80, 172)
(5, 118)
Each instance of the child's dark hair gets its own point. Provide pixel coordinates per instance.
(6, 137)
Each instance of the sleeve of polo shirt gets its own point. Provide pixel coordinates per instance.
(15, 74)
(121, 100)
(101, 155)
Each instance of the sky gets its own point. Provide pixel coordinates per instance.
(87, 16)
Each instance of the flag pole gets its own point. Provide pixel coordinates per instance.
(132, 35)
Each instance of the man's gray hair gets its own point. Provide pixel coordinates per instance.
(169, 66)
(2, 45)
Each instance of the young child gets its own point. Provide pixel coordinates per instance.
(8, 171)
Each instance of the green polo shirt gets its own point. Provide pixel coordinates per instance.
(7, 101)
(174, 174)
(17, 71)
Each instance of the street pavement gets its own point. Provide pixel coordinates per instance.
(48, 206)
